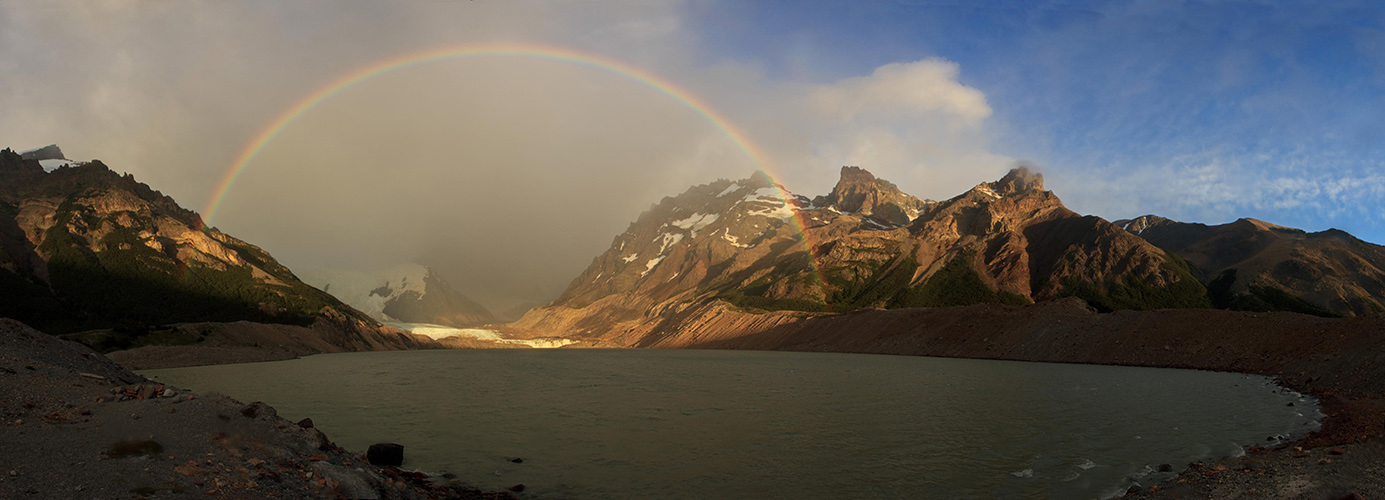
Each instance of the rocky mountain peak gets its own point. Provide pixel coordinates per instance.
(1139, 224)
(49, 152)
(856, 190)
(859, 191)
(1018, 180)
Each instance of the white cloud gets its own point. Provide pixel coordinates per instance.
(905, 90)
(1216, 188)
(912, 123)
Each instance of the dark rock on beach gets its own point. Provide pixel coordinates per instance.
(258, 409)
(386, 454)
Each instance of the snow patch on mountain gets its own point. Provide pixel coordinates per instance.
(649, 266)
(762, 194)
(987, 191)
(729, 189)
(781, 211)
(51, 165)
(696, 222)
(735, 242)
(669, 240)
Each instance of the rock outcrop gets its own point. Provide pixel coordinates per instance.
(860, 192)
(49, 152)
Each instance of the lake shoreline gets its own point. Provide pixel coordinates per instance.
(1340, 362)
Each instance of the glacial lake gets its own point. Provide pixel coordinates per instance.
(600, 424)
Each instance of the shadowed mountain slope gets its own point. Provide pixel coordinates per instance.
(84, 249)
(1257, 266)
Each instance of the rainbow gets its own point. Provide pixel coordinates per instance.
(252, 149)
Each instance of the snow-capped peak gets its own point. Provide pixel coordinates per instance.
(369, 291)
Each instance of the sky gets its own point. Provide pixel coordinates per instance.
(509, 174)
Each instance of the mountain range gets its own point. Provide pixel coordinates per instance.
(99, 257)
(749, 245)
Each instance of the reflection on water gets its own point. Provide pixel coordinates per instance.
(682, 424)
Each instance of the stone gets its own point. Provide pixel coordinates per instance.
(167, 393)
(385, 454)
(517, 460)
(517, 488)
(306, 423)
(1165, 468)
(350, 483)
(188, 469)
(257, 410)
(317, 440)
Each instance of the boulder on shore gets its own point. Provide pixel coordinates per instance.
(385, 454)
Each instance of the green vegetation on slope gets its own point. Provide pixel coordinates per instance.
(1132, 292)
(1259, 298)
(957, 284)
(885, 284)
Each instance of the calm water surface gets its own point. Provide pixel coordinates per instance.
(686, 424)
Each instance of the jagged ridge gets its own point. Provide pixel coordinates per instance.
(1007, 241)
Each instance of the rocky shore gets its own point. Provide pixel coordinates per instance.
(74, 424)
